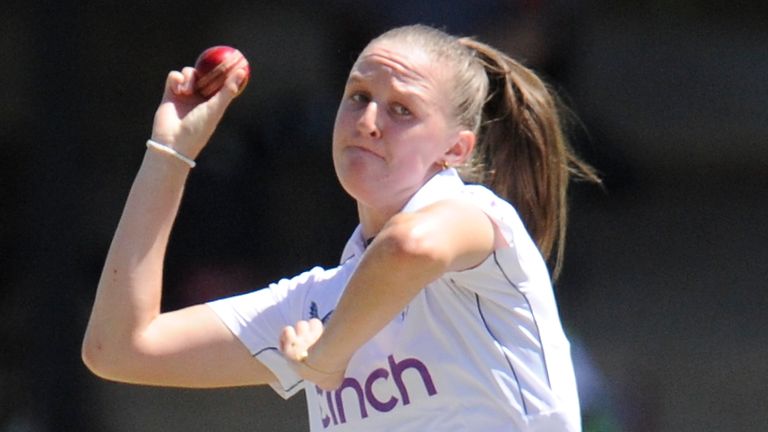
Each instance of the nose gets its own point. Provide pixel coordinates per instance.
(368, 122)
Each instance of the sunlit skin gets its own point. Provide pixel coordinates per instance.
(393, 133)
(393, 130)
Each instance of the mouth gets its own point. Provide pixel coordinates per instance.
(364, 150)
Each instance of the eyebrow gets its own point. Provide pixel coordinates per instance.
(356, 77)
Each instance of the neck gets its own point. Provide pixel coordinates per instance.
(373, 220)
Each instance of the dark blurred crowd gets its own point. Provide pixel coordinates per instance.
(80, 85)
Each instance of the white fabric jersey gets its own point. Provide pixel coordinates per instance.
(477, 350)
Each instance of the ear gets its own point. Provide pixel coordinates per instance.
(462, 148)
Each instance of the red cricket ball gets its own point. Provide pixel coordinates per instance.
(214, 65)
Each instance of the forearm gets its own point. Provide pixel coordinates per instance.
(411, 251)
(129, 290)
(392, 272)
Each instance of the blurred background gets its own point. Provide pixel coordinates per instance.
(666, 268)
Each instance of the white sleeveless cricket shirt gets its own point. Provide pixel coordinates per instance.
(477, 350)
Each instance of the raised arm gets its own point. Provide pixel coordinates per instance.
(412, 250)
(127, 338)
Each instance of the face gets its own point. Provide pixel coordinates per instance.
(393, 127)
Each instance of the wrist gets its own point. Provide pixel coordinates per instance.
(325, 361)
(182, 143)
(322, 370)
(169, 151)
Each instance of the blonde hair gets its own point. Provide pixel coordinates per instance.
(521, 152)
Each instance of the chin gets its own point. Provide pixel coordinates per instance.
(361, 188)
(356, 173)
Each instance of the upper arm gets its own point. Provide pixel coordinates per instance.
(454, 232)
(190, 347)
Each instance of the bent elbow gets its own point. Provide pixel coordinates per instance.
(101, 360)
(410, 239)
(92, 355)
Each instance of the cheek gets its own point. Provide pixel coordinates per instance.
(424, 145)
(411, 160)
(338, 123)
(341, 131)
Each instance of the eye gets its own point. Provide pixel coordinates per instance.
(360, 98)
(400, 110)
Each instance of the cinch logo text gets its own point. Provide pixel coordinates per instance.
(333, 410)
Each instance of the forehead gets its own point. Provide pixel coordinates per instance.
(409, 65)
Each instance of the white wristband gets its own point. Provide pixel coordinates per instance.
(162, 148)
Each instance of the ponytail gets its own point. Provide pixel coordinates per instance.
(522, 153)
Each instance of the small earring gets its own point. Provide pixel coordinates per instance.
(445, 165)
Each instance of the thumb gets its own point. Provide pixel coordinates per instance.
(176, 83)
